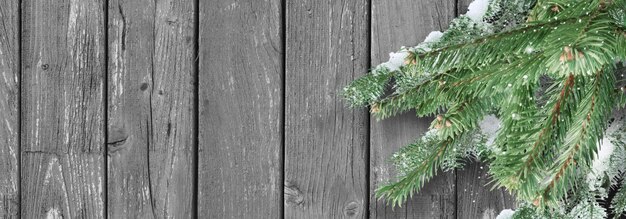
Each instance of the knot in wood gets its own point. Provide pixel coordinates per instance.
(351, 209)
(293, 195)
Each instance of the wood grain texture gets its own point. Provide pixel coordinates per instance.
(240, 124)
(325, 141)
(151, 109)
(9, 91)
(435, 200)
(395, 24)
(63, 109)
(475, 197)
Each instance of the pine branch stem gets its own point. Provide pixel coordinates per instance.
(556, 111)
(501, 35)
(584, 132)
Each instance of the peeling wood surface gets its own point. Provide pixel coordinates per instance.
(151, 132)
(226, 109)
(240, 109)
(396, 24)
(9, 94)
(63, 66)
(325, 141)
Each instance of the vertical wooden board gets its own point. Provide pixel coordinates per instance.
(395, 24)
(151, 109)
(9, 128)
(240, 121)
(62, 109)
(435, 200)
(325, 140)
(475, 197)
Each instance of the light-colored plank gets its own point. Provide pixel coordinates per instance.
(9, 128)
(240, 121)
(325, 141)
(395, 24)
(151, 109)
(63, 60)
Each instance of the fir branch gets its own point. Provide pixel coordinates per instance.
(537, 148)
(617, 173)
(465, 54)
(397, 193)
(371, 87)
(450, 129)
(542, 149)
(504, 35)
(461, 118)
(428, 96)
(619, 202)
(582, 138)
(588, 209)
(528, 145)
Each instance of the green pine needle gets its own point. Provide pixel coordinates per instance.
(548, 76)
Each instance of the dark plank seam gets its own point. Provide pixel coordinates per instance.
(283, 24)
(149, 125)
(456, 194)
(19, 109)
(456, 10)
(368, 122)
(456, 177)
(196, 110)
(105, 99)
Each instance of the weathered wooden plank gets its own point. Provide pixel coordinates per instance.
(9, 127)
(325, 141)
(151, 109)
(475, 199)
(435, 200)
(63, 65)
(395, 24)
(240, 124)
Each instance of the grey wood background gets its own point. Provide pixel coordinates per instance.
(211, 109)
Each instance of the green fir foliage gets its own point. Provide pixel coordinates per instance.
(587, 209)
(546, 68)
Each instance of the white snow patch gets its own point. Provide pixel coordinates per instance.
(433, 37)
(529, 50)
(601, 162)
(396, 60)
(489, 127)
(53, 213)
(506, 214)
(477, 10)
